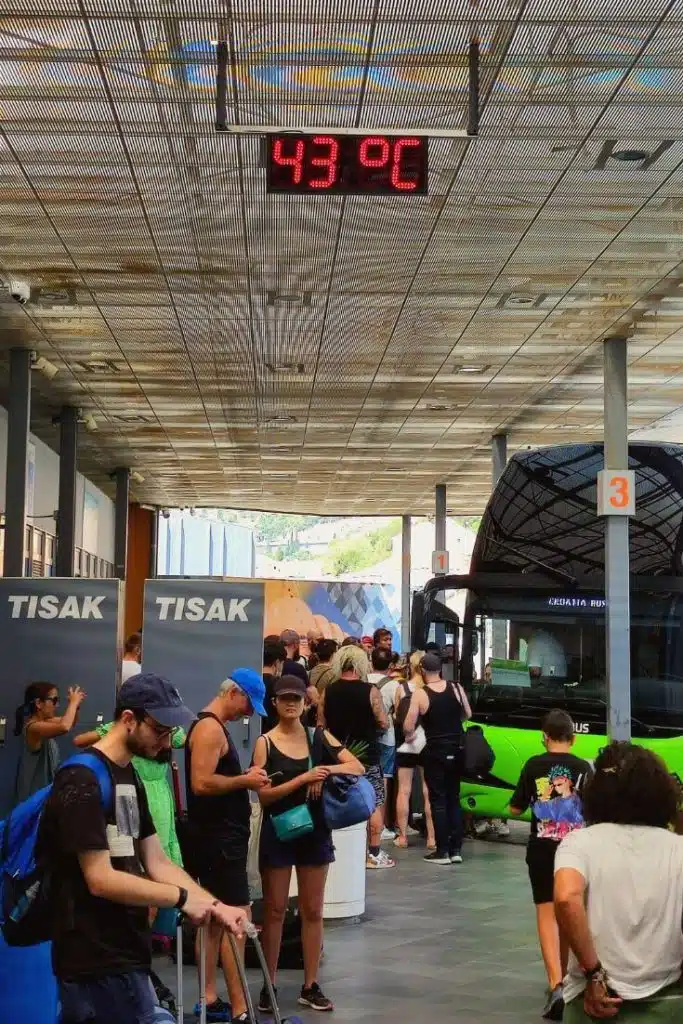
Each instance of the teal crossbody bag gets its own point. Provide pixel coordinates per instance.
(296, 821)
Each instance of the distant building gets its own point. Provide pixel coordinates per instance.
(200, 545)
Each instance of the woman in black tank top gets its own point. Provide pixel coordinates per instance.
(297, 762)
(442, 708)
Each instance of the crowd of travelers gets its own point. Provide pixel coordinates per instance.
(607, 889)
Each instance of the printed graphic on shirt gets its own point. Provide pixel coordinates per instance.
(557, 806)
(121, 836)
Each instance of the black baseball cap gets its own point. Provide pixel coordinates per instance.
(157, 698)
(290, 685)
(431, 663)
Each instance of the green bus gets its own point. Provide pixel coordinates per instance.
(525, 628)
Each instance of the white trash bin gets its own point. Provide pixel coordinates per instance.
(345, 888)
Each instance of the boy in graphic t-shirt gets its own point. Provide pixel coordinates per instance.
(550, 784)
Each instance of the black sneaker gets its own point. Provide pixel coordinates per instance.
(554, 1008)
(264, 1002)
(315, 998)
(437, 858)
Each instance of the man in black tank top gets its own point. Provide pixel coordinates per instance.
(442, 708)
(219, 814)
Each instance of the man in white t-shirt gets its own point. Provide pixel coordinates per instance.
(619, 891)
(130, 666)
(382, 661)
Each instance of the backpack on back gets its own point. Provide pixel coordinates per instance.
(25, 910)
(403, 706)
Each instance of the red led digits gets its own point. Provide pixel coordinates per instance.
(404, 184)
(330, 161)
(377, 143)
(296, 162)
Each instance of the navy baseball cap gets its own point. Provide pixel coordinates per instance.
(251, 683)
(157, 698)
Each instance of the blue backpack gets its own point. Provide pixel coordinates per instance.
(25, 906)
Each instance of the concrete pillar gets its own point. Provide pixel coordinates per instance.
(18, 422)
(499, 458)
(499, 455)
(405, 583)
(440, 545)
(617, 568)
(122, 477)
(66, 515)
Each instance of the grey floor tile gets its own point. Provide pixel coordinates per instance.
(455, 944)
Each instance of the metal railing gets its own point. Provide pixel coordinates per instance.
(40, 550)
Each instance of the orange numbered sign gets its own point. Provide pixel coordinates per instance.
(616, 492)
(439, 562)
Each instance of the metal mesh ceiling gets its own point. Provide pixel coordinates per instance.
(334, 354)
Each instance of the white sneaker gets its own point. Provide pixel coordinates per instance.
(482, 828)
(382, 860)
(387, 835)
(410, 831)
(502, 828)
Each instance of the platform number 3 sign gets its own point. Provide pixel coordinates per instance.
(616, 492)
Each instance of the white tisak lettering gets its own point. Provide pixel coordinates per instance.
(32, 605)
(179, 605)
(49, 607)
(165, 604)
(216, 611)
(69, 609)
(237, 609)
(17, 600)
(91, 607)
(194, 609)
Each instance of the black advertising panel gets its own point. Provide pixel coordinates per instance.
(64, 631)
(196, 632)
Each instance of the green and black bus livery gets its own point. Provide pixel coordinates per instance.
(527, 623)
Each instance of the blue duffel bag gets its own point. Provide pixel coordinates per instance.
(347, 800)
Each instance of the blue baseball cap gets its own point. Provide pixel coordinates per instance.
(157, 698)
(251, 683)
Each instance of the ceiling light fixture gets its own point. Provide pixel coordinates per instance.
(136, 477)
(631, 156)
(471, 369)
(89, 422)
(285, 367)
(44, 367)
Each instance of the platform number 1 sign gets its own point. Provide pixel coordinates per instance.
(439, 563)
(616, 492)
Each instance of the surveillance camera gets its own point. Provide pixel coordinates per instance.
(20, 291)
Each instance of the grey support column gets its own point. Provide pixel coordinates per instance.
(154, 546)
(440, 545)
(499, 455)
(66, 515)
(18, 422)
(122, 477)
(499, 458)
(617, 567)
(405, 583)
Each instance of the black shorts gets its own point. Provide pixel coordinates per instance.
(408, 760)
(222, 869)
(540, 859)
(313, 850)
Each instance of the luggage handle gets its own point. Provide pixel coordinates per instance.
(252, 933)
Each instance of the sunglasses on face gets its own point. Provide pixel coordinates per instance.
(160, 731)
(289, 698)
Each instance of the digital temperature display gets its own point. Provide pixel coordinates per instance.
(377, 165)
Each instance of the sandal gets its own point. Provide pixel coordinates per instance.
(432, 845)
(401, 842)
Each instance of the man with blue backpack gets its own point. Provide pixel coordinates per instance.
(99, 866)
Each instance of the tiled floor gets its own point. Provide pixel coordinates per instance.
(437, 944)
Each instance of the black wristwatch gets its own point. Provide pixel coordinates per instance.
(596, 973)
(182, 898)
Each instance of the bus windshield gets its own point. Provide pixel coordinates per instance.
(524, 653)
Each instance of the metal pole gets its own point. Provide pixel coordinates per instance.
(122, 477)
(154, 546)
(18, 422)
(405, 583)
(499, 457)
(66, 516)
(440, 545)
(618, 617)
(473, 98)
(222, 59)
